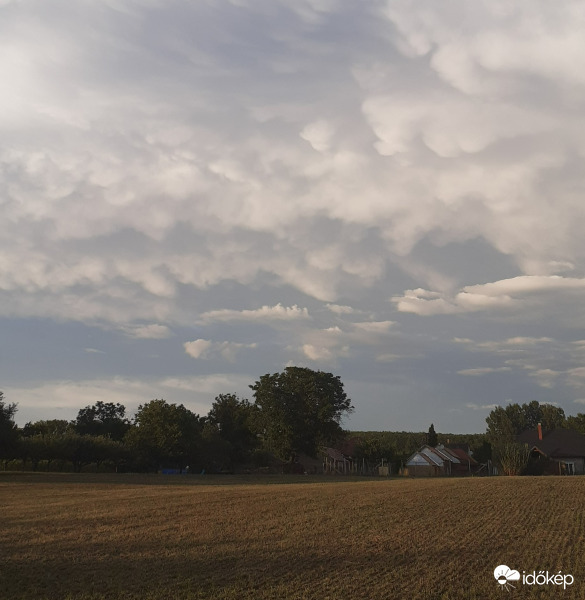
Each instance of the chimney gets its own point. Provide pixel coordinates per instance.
(539, 427)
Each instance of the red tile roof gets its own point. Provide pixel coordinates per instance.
(463, 456)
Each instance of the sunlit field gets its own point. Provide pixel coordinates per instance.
(150, 537)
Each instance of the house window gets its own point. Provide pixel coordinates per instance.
(569, 468)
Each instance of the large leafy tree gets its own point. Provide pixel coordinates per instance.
(232, 419)
(501, 425)
(506, 423)
(50, 427)
(576, 422)
(166, 434)
(8, 428)
(300, 409)
(103, 418)
(552, 416)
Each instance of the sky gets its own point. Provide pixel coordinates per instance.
(194, 194)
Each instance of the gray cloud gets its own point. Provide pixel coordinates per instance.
(274, 173)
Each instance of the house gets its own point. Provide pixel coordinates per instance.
(466, 465)
(425, 463)
(441, 460)
(555, 451)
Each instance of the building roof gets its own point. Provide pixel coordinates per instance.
(436, 457)
(463, 456)
(555, 443)
(419, 458)
(446, 454)
(334, 454)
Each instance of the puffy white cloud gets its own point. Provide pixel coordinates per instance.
(198, 348)
(318, 353)
(318, 134)
(511, 293)
(206, 349)
(265, 313)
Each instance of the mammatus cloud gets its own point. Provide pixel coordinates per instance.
(252, 167)
(321, 194)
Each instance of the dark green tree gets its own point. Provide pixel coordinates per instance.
(50, 427)
(299, 409)
(576, 422)
(432, 438)
(233, 419)
(375, 447)
(503, 424)
(552, 417)
(8, 429)
(83, 450)
(506, 423)
(166, 434)
(216, 452)
(33, 449)
(103, 418)
(482, 452)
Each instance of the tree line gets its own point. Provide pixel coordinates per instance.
(295, 411)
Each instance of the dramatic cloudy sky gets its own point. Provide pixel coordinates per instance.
(193, 194)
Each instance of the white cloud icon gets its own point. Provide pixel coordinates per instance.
(504, 575)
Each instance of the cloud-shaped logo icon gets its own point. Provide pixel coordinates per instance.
(504, 575)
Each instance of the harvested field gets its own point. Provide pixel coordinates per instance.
(154, 537)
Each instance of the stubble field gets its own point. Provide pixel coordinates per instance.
(156, 537)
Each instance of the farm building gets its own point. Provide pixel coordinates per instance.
(557, 451)
(442, 460)
(335, 461)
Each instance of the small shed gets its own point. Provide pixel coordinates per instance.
(334, 461)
